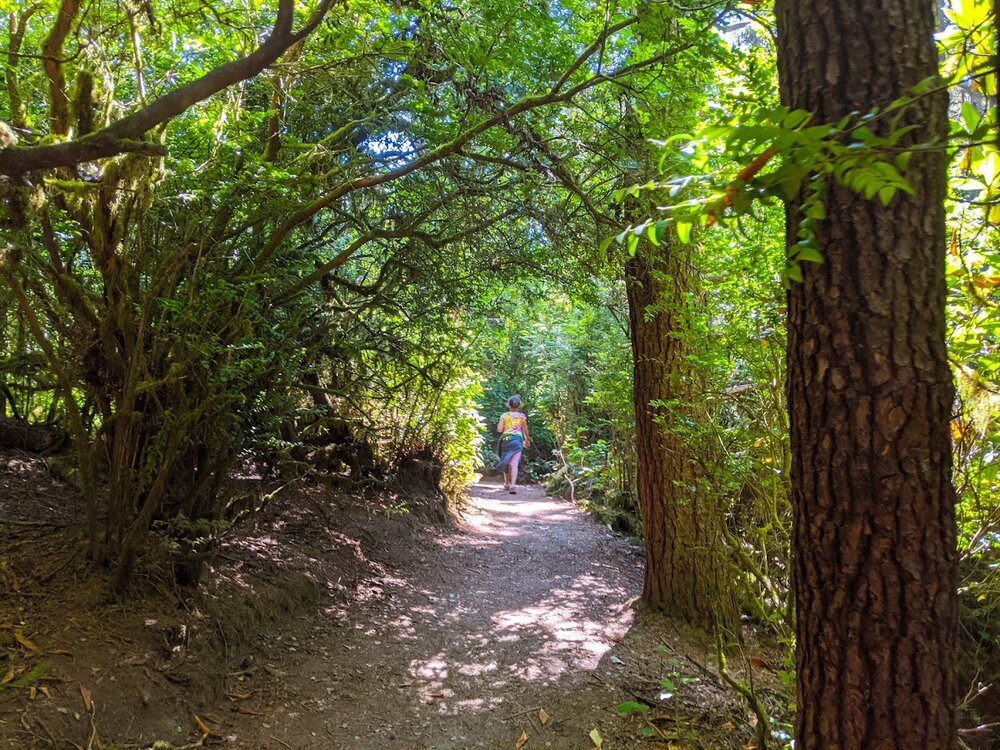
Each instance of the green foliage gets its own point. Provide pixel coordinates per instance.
(630, 708)
(30, 678)
(809, 157)
(567, 355)
(305, 267)
(770, 154)
(370, 247)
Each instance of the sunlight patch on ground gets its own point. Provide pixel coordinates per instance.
(475, 670)
(432, 669)
(476, 704)
(581, 641)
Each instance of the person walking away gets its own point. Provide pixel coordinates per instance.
(514, 438)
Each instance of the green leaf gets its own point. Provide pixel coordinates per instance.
(926, 85)
(652, 234)
(808, 252)
(815, 210)
(886, 194)
(631, 707)
(684, 231)
(795, 119)
(632, 243)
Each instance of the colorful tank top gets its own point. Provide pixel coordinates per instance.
(512, 423)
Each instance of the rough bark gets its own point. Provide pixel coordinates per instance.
(870, 397)
(685, 558)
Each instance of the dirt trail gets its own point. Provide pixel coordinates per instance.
(458, 646)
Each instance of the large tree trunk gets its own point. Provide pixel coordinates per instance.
(870, 395)
(685, 557)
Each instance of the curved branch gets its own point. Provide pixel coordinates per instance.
(17, 24)
(124, 135)
(52, 51)
(555, 95)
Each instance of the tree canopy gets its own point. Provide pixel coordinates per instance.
(280, 239)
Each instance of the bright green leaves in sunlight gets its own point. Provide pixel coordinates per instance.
(969, 44)
(781, 156)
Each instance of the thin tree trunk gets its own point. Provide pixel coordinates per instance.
(870, 397)
(685, 557)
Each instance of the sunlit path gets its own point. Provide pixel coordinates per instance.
(510, 613)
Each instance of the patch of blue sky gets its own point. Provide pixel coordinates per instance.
(395, 148)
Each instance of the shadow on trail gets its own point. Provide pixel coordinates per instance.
(523, 603)
(510, 612)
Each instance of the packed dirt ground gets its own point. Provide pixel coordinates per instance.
(332, 621)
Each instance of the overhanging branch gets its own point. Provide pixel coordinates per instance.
(558, 94)
(124, 135)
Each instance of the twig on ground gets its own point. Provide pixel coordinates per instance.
(521, 713)
(28, 728)
(52, 573)
(93, 735)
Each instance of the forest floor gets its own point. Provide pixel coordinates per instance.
(331, 622)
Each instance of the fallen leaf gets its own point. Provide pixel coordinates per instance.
(239, 696)
(19, 637)
(88, 699)
(759, 663)
(11, 674)
(596, 738)
(277, 673)
(32, 692)
(60, 652)
(45, 692)
(543, 717)
(248, 711)
(202, 726)
(628, 604)
(520, 741)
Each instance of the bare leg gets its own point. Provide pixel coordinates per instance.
(513, 470)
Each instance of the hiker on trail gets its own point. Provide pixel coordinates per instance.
(514, 438)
